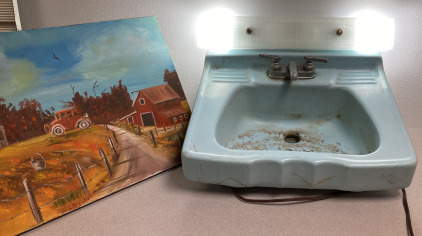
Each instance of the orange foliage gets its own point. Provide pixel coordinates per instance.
(105, 108)
(15, 160)
(93, 147)
(24, 122)
(49, 192)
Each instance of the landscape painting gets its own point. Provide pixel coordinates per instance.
(85, 111)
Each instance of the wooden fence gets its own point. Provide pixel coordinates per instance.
(35, 208)
(175, 132)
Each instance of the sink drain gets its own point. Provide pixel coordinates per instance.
(292, 138)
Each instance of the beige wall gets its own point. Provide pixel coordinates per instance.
(177, 18)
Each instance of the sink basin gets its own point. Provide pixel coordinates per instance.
(341, 130)
(304, 119)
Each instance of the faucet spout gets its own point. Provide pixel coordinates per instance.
(293, 70)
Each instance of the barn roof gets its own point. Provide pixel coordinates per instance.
(126, 116)
(173, 111)
(160, 93)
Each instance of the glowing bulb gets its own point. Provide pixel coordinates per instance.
(374, 32)
(214, 29)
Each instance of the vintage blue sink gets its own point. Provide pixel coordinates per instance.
(340, 130)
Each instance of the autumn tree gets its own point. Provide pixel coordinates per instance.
(24, 122)
(172, 79)
(110, 106)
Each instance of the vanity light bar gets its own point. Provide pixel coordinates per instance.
(270, 33)
(365, 35)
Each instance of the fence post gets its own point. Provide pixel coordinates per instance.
(164, 128)
(153, 139)
(113, 149)
(106, 127)
(180, 139)
(81, 178)
(102, 154)
(115, 138)
(32, 202)
(139, 129)
(156, 132)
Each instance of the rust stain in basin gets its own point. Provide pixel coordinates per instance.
(264, 139)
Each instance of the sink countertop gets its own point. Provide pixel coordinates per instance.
(168, 204)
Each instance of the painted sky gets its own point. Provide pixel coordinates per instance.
(44, 63)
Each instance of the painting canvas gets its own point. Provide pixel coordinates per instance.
(85, 111)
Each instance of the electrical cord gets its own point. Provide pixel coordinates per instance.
(319, 198)
(282, 200)
(407, 211)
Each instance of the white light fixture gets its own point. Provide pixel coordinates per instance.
(214, 29)
(374, 32)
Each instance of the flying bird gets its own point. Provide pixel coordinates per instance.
(54, 56)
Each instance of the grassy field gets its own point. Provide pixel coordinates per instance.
(57, 189)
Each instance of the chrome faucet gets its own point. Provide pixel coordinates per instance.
(292, 71)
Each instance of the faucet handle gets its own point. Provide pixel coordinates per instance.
(309, 66)
(275, 66)
(276, 58)
(310, 59)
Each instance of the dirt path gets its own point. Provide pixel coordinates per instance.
(137, 161)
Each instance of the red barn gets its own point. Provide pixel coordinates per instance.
(158, 106)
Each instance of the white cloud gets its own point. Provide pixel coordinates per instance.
(112, 52)
(16, 76)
